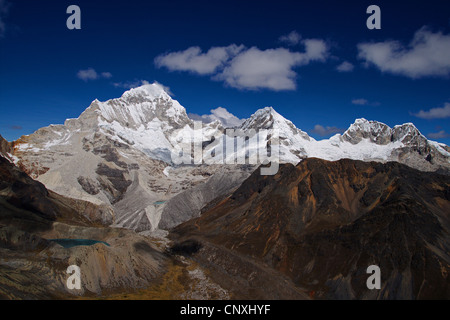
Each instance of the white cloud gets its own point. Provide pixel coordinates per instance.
(435, 113)
(345, 67)
(256, 69)
(365, 102)
(326, 131)
(106, 75)
(91, 74)
(292, 39)
(438, 135)
(361, 102)
(223, 115)
(270, 69)
(316, 49)
(130, 84)
(247, 68)
(193, 60)
(88, 74)
(427, 55)
(4, 10)
(165, 88)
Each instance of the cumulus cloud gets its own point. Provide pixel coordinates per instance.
(438, 135)
(106, 75)
(292, 39)
(223, 115)
(345, 67)
(364, 102)
(88, 74)
(91, 74)
(435, 113)
(193, 60)
(426, 55)
(247, 68)
(269, 69)
(255, 69)
(130, 84)
(326, 131)
(316, 49)
(361, 102)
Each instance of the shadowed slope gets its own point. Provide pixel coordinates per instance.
(323, 223)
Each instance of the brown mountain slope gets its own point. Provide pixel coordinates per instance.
(27, 204)
(34, 267)
(323, 223)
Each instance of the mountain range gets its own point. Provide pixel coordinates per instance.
(120, 153)
(177, 199)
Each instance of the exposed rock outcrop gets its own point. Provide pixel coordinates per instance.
(188, 204)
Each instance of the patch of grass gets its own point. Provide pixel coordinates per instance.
(171, 286)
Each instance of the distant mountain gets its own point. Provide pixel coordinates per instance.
(125, 152)
(324, 223)
(363, 140)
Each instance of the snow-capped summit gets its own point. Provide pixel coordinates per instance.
(149, 120)
(375, 131)
(408, 134)
(137, 108)
(291, 140)
(267, 118)
(154, 90)
(381, 134)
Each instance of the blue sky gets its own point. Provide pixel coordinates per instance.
(315, 62)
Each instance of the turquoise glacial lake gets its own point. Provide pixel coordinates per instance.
(69, 243)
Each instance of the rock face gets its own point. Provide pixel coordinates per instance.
(188, 204)
(33, 207)
(5, 147)
(324, 223)
(404, 143)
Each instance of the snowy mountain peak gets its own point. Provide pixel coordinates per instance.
(407, 128)
(136, 108)
(362, 124)
(267, 118)
(375, 131)
(150, 91)
(382, 134)
(408, 134)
